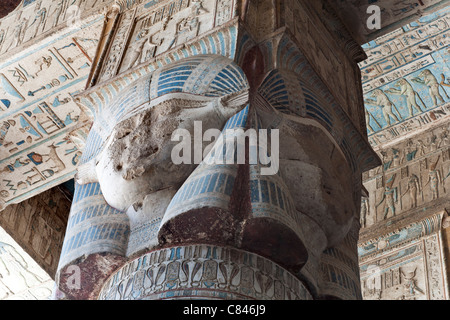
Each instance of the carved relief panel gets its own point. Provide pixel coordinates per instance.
(413, 271)
(39, 225)
(36, 17)
(415, 173)
(38, 112)
(405, 79)
(151, 29)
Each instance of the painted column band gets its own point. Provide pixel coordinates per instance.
(202, 271)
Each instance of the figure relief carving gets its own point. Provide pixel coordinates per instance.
(427, 78)
(389, 197)
(432, 142)
(20, 27)
(406, 90)
(386, 105)
(410, 151)
(188, 27)
(388, 159)
(397, 159)
(2, 38)
(369, 116)
(56, 14)
(365, 211)
(167, 26)
(435, 180)
(37, 25)
(410, 286)
(143, 48)
(414, 189)
(444, 138)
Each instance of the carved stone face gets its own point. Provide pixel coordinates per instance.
(137, 160)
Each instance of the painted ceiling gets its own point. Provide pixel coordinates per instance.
(406, 79)
(38, 114)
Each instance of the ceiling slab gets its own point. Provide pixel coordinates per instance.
(394, 15)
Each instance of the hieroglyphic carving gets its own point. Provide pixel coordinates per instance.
(152, 29)
(31, 19)
(224, 11)
(117, 46)
(37, 112)
(408, 68)
(421, 168)
(202, 271)
(434, 267)
(405, 265)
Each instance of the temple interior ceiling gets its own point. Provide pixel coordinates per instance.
(47, 53)
(406, 78)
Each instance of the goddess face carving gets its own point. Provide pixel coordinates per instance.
(137, 159)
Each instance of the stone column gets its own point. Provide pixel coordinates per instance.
(206, 228)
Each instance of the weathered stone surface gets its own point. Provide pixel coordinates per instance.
(84, 278)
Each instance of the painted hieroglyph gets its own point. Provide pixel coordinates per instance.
(37, 108)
